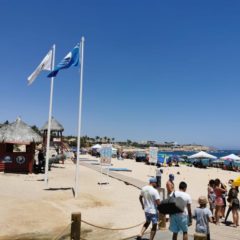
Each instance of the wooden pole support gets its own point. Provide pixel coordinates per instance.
(162, 221)
(76, 226)
(200, 236)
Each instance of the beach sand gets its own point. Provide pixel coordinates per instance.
(30, 210)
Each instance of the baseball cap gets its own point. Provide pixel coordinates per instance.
(171, 176)
(152, 180)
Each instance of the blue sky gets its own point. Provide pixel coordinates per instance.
(154, 70)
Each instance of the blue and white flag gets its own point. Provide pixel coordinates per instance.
(71, 59)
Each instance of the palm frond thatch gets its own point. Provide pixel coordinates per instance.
(18, 132)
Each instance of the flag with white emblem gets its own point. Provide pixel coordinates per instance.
(44, 65)
(71, 59)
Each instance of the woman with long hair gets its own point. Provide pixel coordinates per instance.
(211, 195)
(219, 203)
(234, 204)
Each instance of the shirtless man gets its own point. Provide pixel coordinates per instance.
(170, 184)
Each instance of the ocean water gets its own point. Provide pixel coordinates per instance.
(217, 153)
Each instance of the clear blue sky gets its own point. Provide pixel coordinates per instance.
(154, 70)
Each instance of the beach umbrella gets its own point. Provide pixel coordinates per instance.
(97, 146)
(236, 182)
(202, 154)
(231, 157)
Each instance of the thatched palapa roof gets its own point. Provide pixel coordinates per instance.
(55, 125)
(18, 132)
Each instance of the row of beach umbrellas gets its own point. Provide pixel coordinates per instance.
(203, 154)
(231, 157)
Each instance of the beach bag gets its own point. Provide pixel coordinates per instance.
(171, 205)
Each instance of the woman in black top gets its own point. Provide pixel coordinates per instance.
(233, 204)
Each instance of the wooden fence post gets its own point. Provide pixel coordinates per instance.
(162, 222)
(199, 236)
(76, 226)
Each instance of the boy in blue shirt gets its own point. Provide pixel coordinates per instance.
(203, 216)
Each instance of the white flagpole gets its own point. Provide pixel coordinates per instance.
(81, 53)
(49, 119)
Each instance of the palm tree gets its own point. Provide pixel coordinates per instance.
(129, 142)
(35, 128)
(113, 140)
(97, 138)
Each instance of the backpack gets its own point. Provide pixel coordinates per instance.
(172, 205)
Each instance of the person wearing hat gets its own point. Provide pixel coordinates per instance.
(170, 184)
(203, 216)
(149, 199)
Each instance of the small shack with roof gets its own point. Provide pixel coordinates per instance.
(17, 147)
(56, 136)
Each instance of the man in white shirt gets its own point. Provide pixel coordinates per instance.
(149, 199)
(179, 222)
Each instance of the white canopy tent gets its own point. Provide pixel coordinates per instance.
(231, 157)
(97, 146)
(202, 154)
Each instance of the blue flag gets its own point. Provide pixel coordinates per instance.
(71, 59)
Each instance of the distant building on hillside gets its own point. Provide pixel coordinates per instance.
(151, 142)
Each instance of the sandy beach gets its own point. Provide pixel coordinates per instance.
(30, 210)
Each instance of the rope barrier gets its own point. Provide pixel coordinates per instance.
(113, 229)
(83, 238)
(59, 235)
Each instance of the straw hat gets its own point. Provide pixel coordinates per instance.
(202, 200)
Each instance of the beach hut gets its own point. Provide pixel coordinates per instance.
(17, 147)
(56, 136)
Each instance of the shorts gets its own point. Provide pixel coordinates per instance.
(151, 217)
(178, 223)
(219, 201)
(235, 204)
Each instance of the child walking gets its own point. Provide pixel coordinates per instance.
(203, 216)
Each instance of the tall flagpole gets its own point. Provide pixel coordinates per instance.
(49, 120)
(81, 53)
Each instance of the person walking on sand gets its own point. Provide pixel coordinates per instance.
(179, 222)
(219, 203)
(170, 184)
(159, 172)
(211, 195)
(233, 204)
(149, 199)
(203, 216)
(229, 200)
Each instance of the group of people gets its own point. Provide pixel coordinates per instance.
(218, 197)
(179, 222)
(150, 199)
